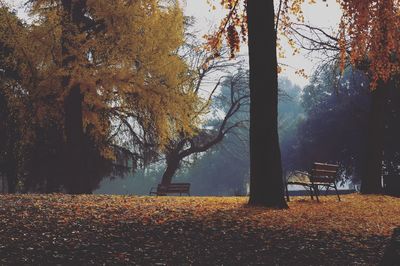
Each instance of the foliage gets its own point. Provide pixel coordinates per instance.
(115, 230)
(122, 71)
(225, 106)
(367, 33)
(135, 85)
(232, 28)
(225, 169)
(334, 123)
(372, 28)
(14, 119)
(228, 164)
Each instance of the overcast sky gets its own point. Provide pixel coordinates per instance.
(323, 14)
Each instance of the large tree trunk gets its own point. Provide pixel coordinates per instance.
(74, 141)
(75, 159)
(266, 182)
(371, 179)
(392, 141)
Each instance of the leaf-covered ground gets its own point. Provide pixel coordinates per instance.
(122, 230)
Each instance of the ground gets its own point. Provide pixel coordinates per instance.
(126, 230)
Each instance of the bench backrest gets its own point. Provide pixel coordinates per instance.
(174, 187)
(323, 172)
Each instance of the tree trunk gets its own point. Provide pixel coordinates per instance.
(371, 179)
(173, 162)
(75, 160)
(266, 182)
(12, 181)
(74, 140)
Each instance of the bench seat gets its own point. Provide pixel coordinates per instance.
(173, 188)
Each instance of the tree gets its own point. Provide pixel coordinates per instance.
(368, 34)
(12, 117)
(224, 169)
(99, 75)
(367, 39)
(392, 142)
(266, 182)
(205, 138)
(258, 18)
(373, 30)
(72, 21)
(9, 135)
(334, 123)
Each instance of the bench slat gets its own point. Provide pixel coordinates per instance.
(173, 188)
(325, 166)
(316, 172)
(176, 186)
(323, 180)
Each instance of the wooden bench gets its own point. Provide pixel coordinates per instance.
(321, 175)
(173, 188)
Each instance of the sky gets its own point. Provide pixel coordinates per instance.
(322, 14)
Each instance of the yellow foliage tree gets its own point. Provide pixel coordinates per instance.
(124, 59)
(90, 63)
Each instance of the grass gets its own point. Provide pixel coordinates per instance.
(122, 230)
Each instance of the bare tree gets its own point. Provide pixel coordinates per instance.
(207, 137)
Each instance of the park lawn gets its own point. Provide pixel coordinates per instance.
(126, 230)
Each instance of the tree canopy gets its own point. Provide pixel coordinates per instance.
(133, 83)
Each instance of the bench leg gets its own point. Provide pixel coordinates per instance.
(313, 193)
(337, 192)
(310, 191)
(316, 190)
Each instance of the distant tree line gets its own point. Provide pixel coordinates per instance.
(334, 125)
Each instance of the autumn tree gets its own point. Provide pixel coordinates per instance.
(392, 142)
(9, 136)
(13, 119)
(372, 29)
(266, 183)
(367, 40)
(93, 71)
(368, 35)
(331, 100)
(258, 18)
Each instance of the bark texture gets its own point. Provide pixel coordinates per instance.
(372, 174)
(266, 182)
